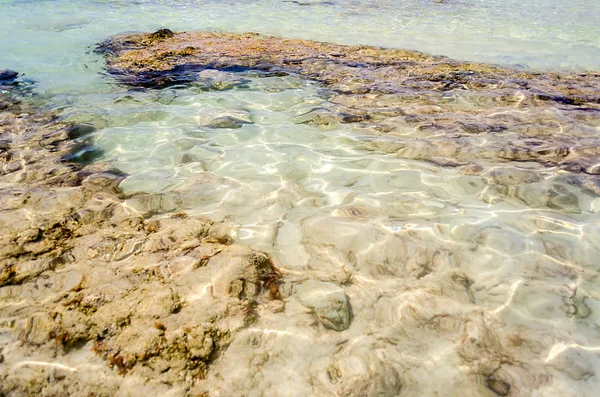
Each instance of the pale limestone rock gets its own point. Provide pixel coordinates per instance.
(328, 301)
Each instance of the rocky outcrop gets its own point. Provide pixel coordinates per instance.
(432, 108)
(85, 278)
(402, 293)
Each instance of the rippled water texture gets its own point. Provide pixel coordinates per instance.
(458, 283)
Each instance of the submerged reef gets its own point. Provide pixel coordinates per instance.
(92, 295)
(447, 112)
(410, 299)
(105, 294)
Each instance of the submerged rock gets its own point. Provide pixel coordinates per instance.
(498, 386)
(226, 120)
(220, 81)
(7, 74)
(242, 273)
(82, 274)
(456, 112)
(328, 301)
(359, 373)
(155, 299)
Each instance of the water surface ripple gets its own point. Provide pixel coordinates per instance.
(460, 283)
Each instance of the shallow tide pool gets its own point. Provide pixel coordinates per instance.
(429, 257)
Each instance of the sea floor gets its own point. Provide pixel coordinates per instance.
(245, 215)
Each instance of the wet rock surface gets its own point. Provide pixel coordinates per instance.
(92, 295)
(433, 108)
(102, 293)
(482, 297)
(328, 301)
(7, 74)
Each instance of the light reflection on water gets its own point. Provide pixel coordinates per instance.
(49, 40)
(324, 207)
(398, 233)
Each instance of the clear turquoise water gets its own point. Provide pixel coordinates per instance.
(49, 40)
(293, 190)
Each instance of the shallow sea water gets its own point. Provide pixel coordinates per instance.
(327, 206)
